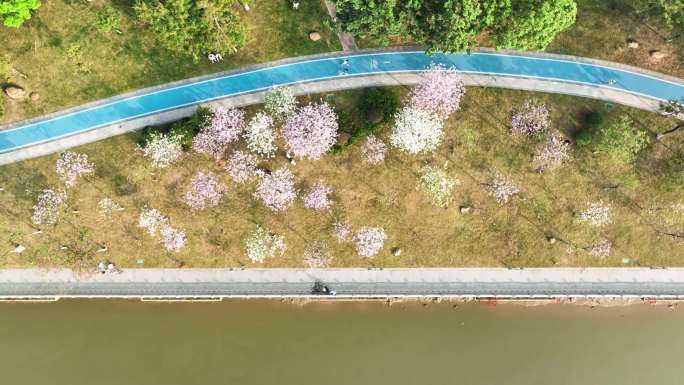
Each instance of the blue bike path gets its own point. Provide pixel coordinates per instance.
(332, 67)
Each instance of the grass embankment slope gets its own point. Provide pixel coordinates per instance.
(61, 55)
(476, 146)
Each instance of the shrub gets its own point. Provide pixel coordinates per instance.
(583, 137)
(378, 99)
(107, 19)
(194, 27)
(621, 140)
(15, 12)
(593, 119)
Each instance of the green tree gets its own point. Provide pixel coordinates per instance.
(194, 27)
(621, 140)
(457, 25)
(14, 13)
(379, 19)
(534, 23)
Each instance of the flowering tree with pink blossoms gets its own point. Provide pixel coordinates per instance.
(276, 190)
(46, 210)
(374, 150)
(223, 127)
(157, 225)
(416, 131)
(439, 91)
(316, 197)
(241, 166)
(530, 119)
(205, 191)
(601, 249)
(342, 230)
(70, 166)
(311, 130)
(369, 241)
(501, 188)
(172, 239)
(552, 154)
(597, 214)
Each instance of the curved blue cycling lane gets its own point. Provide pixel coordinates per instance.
(313, 69)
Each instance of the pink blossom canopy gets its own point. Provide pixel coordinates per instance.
(224, 126)
(311, 130)
(439, 91)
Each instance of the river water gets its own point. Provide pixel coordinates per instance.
(263, 343)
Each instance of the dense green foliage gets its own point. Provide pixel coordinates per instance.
(621, 140)
(456, 25)
(14, 13)
(194, 27)
(381, 100)
(107, 19)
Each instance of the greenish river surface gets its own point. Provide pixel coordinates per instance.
(263, 343)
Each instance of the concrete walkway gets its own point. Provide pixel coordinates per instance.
(322, 73)
(346, 39)
(349, 283)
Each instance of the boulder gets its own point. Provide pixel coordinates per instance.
(34, 96)
(656, 54)
(464, 209)
(396, 251)
(315, 36)
(631, 43)
(15, 92)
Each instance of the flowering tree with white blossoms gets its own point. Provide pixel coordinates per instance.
(439, 91)
(262, 244)
(416, 131)
(600, 249)
(157, 225)
(317, 255)
(311, 130)
(597, 214)
(261, 136)
(502, 188)
(163, 150)
(552, 154)
(241, 166)
(316, 197)
(206, 191)
(369, 241)
(437, 185)
(530, 120)
(71, 165)
(152, 220)
(46, 210)
(277, 189)
(223, 127)
(107, 206)
(280, 102)
(341, 230)
(374, 150)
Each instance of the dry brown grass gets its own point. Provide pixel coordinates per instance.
(477, 145)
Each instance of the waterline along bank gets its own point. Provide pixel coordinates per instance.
(349, 283)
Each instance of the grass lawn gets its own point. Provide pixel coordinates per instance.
(643, 198)
(62, 56)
